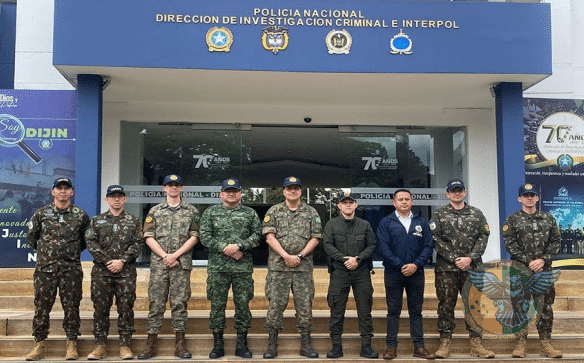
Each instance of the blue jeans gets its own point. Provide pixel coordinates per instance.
(395, 283)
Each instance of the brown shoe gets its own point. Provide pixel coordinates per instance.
(390, 353)
(423, 353)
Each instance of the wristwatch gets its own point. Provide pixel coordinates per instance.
(240, 246)
(358, 259)
(300, 256)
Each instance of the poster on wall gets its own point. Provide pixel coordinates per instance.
(554, 163)
(37, 145)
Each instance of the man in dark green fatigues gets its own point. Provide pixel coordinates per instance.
(230, 231)
(349, 242)
(114, 239)
(532, 237)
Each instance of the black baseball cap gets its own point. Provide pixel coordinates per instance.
(112, 189)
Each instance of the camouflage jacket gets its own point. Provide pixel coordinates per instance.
(221, 226)
(353, 238)
(112, 237)
(58, 236)
(458, 233)
(171, 228)
(532, 236)
(293, 229)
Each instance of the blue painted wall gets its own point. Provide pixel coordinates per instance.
(489, 38)
(7, 41)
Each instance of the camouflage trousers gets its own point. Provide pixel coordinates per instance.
(46, 284)
(546, 320)
(278, 286)
(103, 290)
(448, 285)
(218, 284)
(165, 285)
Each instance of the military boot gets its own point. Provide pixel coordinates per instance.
(71, 347)
(218, 345)
(37, 352)
(306, 348)
(272, 351)
(150, 350)
(547, 350)
(126, 352)
(444, 349)
(98, 352)
(241, 350)
(477, 349)
(180, 349)
(519, 351)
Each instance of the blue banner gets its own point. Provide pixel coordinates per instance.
(554, 163)
(37, 145)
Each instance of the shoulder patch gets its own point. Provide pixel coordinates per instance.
(505, 227)
(89, 233)
(266, 219)
(317, 219)
(432, 225)
(487, 227)
(148, 219)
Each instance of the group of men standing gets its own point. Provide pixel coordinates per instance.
(60, 231)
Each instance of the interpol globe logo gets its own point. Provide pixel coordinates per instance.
(400, 44)
(504, 299)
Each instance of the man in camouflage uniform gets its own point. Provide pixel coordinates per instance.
(532, 237)
(293, 230)
(57, 232)
(349, 243)
(115, 241)
(230, 231)
(171, 230)
(460, 233)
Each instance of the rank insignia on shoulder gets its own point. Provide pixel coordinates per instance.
(338, 42)
(400, 44)
(266, 219)
(75, 210)
(275, 38)
(219, 39)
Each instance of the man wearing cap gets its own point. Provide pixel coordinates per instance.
(460, 233)
(349, 243)
(532, 237)
(230, 231)
(114, 239)
(57, 232)
(405, 244)
(171, 230)
(293, 230)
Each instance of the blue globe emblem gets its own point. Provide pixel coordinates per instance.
(400, 44)
(219, 38)
(565, 162)
(45, 144)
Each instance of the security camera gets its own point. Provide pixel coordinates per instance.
(307, 120)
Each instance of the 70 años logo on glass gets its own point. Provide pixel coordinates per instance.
(503, 299)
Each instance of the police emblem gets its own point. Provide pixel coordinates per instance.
(347, 194)
(266, 219)
(292, 179)
(419, 228)
(338, 42)
(275, 38)
(219, 39)
(231, 182)
(45, 144)
(173, 177)
(432, 225)
(505, 227)
(400, 44)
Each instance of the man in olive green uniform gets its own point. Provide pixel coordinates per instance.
(349, 243)
(230, 231)
(293, 230)
(114, 239)
(460, 233)
(171, 230)
(532, 237)
(57, 232)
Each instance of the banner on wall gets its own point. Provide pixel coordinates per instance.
(554, 163)
(37, 145)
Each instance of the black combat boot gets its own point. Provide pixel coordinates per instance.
(272, 351)
(241, 350)
(150, 350)
(218, 345)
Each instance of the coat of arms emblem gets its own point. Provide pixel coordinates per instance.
(275, 38)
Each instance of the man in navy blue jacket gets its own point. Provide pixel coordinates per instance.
(405, 244)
